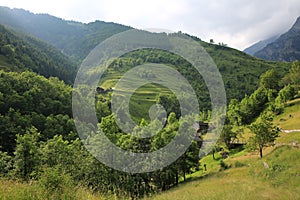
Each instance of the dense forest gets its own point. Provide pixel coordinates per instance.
(73, 38)
(20, 52)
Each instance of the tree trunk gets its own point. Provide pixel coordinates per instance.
(260, 152)
(177, 179)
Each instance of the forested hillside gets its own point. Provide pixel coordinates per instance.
(27, 100)
(20, 52)
(73, 38)
(240, 71)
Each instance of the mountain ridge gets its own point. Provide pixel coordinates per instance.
(286, 48)
(21, 52)
(251, 50)
(239, 70)
(75, 39)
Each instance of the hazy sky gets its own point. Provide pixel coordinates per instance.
(238, 23)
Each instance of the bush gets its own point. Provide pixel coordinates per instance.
(5, 163)
(56, 184)
(239, 164)
(223, 165)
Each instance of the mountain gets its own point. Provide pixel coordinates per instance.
(285, 48)
(21, 52)
(38, 140)
(260, 45)
(73, 38)
(240, 71)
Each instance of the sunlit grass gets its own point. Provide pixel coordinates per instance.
(15, 190)
(250, 180)
(290, 118)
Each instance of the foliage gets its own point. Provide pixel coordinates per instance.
(27, 159)
(223, 165)
(293, 77)
(264, 132)
(73, 38)
(22, 52)
(56, 184)
(227, 135)
(250, 182)
(285, 94)
(270, 79)
(57, 160)
(26, 100)
(5, 163)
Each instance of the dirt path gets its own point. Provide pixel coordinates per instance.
(291, 131)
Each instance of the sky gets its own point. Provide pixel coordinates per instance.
(237, 23)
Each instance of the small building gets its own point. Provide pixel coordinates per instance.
(100, 90)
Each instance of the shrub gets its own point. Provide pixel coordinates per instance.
(56, 184)
(5, 163)
(223, 165)
(239, 164)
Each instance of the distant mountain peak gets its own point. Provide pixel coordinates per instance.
(285, 48)
(297, 24)
(260, 45)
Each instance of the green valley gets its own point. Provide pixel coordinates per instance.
(43, 156)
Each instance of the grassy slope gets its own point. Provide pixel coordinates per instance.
(248, 178)
(13, 190)
(252, 181)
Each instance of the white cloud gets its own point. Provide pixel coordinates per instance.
(237, 23)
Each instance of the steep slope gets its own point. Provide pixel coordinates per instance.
(275, 176)
(260, 45)
(73, 38)
(247, 179)
(20, 52)
(285, 48)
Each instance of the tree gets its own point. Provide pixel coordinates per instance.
(293, 77)
(27, 157)
(5, 163)
(170, 103)
(233, 112)
(285, 94)
(264, 132)
(270, 80)
(227, 135)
